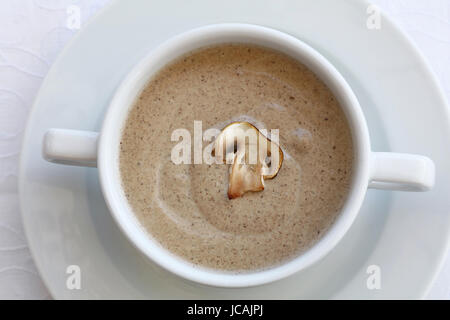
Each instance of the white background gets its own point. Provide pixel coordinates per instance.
(33, 32)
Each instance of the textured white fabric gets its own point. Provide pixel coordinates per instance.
(32, 33)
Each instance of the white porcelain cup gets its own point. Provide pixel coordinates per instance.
(380, 170)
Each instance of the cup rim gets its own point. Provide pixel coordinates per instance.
(132, 85)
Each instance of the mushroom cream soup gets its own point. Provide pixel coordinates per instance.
(227, 217)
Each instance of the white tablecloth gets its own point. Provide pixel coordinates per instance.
(32, 33)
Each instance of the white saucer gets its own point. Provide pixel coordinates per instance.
(405, 234)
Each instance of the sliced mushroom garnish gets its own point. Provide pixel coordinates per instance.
(250, 153)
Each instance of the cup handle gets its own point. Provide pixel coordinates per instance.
(71, 147)
(401, 171)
